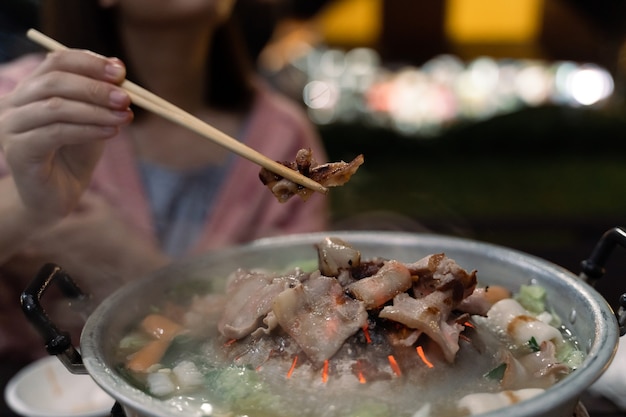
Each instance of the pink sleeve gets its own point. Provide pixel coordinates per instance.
(14, 71)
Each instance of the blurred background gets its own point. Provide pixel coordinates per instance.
(501, 121)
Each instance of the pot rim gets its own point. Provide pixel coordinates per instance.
(600, 352)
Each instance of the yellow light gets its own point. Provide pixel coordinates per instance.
(351, 22)
(490, 21)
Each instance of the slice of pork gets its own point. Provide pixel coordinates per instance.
(333, 174)
(476, 303)
(429, 314)
(437, 272)
(335, 255)
(250, 297)
(319, 316)
(390, 280)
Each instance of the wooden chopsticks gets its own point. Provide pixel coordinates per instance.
(155, 104)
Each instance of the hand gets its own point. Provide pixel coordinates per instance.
(95, 246)
(53, 124)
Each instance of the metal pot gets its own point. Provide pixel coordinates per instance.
(584, 311)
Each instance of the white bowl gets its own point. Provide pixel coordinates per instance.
(45, 388)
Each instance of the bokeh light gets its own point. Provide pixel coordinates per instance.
(354, 85)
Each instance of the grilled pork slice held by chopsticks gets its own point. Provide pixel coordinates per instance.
(332, 174)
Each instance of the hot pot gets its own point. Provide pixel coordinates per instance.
(584, 311)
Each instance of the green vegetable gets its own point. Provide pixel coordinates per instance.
(532, 298)
(569, 355)
(496, 373)
(533, 345)
(307, 265)
(241, 389)
(134, 341)
(556, 320)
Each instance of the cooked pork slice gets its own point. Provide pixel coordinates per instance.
(335, 255)
(390, 280)
(319, 316)
(250, 296)
(331, 174)
(429, 314)
(437, 272)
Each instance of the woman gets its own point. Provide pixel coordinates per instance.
(110, 198)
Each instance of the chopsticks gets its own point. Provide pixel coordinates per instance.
(155, 104)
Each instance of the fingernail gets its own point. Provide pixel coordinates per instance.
(118, 98)
(114, 70)
(122, 114)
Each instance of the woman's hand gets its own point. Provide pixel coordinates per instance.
(95, 245)
(53, 125)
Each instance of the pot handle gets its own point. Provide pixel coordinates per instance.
(58, 342)
(593, 267)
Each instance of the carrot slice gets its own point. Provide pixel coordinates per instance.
(161, 327)
(148, 355)
(495, 293)
(164, 331)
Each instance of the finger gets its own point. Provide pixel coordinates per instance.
(35, 161)
(85, 63)
(39, 144)
(59, 111)
(73, 87)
